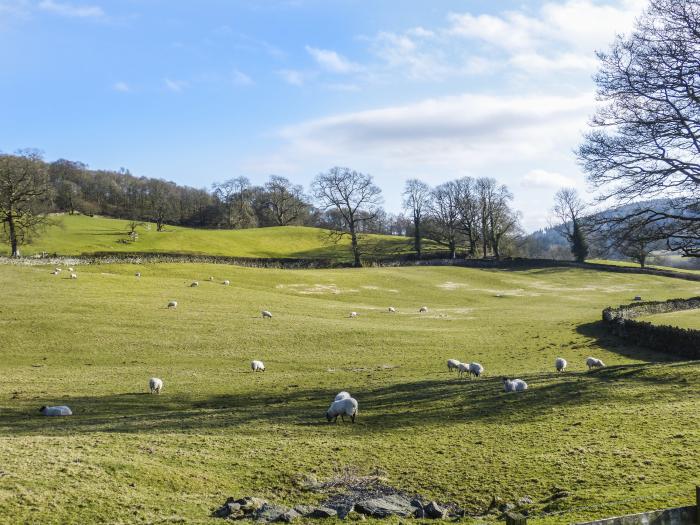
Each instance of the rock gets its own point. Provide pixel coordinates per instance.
(250, 504)
(268, 512)
(506, 507)
(419, 513)
(435, 511)
(385, 506)
(343, 510)
(323, 512)
(289, 516)
(525, 500)
(304, 510)
(416, 502)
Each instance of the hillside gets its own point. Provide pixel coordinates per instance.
(219, 430)
(83, 235)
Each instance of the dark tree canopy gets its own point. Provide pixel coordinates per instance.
(645, 142)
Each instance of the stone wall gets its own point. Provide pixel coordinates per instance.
(676, 516)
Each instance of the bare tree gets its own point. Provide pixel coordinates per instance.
(24, 192)
(645, 142)
(355, 198)
(285, 200)
(444, 215)
(468, 206)
(235, 195)
(569, 211)
(416, 197)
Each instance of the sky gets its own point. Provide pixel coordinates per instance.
(201, 91)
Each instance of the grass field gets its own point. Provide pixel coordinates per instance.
(80, 234)
(682, 319)
(619, 439)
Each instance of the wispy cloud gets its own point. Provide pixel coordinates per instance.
(71, 10)
(293, 76)
(331, 61)
(122, 87)
(241, 79)
(175, 86)
(539, 178)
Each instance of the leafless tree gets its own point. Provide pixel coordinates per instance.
(24, 193)
(416, 197)
(355, 198)
(645, 142)
(468, 205)
(235, 195)
(285, 200)
(444, 215)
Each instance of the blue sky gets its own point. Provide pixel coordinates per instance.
(200, 91)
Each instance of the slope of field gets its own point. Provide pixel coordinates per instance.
(683, 319)
(619, 439)
(80, 234)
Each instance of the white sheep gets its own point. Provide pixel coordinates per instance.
(138, 274)
(58, 270)
(266, 314)
(194, 284)
(560, 364)
(54, 272)
(56, 411)
(257, 366)
(71, 270)
(74, 276)
(475, 369)
(155, 385)
(353, 314)
(452, 364)
(463, 368)
(514, 385)
(342, 408)
(392, 309)
(423, 309)
(211, 278)
(227, 282)
(172, 304)
(593, 362)
(342, 395)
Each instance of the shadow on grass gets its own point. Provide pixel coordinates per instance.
(408, 405)
(603, 338)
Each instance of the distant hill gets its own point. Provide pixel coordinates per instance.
(84, 235)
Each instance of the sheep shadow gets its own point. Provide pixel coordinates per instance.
(404, 405)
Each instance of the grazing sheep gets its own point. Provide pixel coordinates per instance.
(514, 385)
(71, 270)
(266, 314)
(73, 276)
(342, 408)
(392, 309)
(423, 309)
(57, 270)
(353, 314)
(257, 366)
(227, 282)
(560, 364)
(342, 395)
(463, 368)
(452, 364)
(155, 385)
(211, 278)
(138, 274)
(194, 284)
(475, 369)
(56, 411)
(54, 272)
(172, 304)
(593, 362)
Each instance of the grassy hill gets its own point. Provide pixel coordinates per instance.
(617, 440)
(682, 319)
(80, 234)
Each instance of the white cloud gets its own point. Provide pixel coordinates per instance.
(292, 76)
(176, 86)
(539, 178)
(70, 10)
(122, 87)
(241, 79)
(332, 61)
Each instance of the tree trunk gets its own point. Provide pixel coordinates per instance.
(453, 249)
(13, 236)
(416, 236)
(355, 247)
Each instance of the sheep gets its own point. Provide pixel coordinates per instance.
(593, 362)
(257, 366)
(155, 385)
(423, 309)
(342, 408)
(452, 364)
(54, 272)
(57, 270)
(71, 270)
(514, 385)
(211, 278)
(138, 274)
(560, 364)
(194, 284)
(266, 314)
(227, 282)
(353, 314)
(342, 395)
(74, 276)
(475, 369)
(56, 411)
(392, 309)
(172, 304)
(463, 368)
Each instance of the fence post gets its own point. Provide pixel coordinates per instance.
(513, 518)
